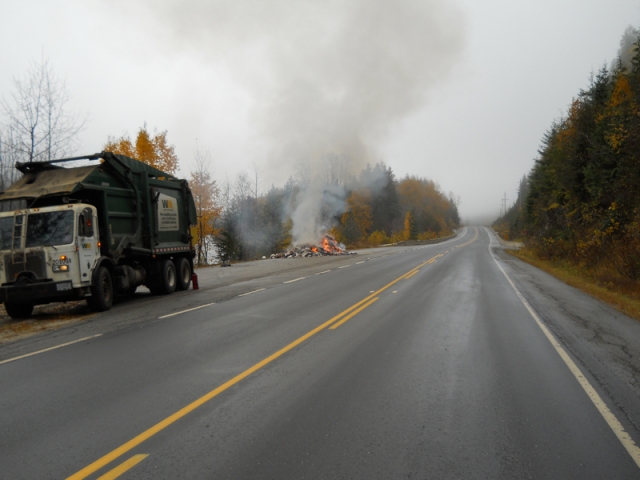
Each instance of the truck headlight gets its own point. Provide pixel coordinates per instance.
(60, 268)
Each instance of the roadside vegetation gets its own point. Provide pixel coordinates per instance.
(617, 292)
(578, 210)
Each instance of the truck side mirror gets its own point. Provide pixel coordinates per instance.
(85, 223)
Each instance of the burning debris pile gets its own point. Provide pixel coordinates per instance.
(329, 246)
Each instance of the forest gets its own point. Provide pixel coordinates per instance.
(581, 201)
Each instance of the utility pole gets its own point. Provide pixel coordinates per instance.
(504, 204)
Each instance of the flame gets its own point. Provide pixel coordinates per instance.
(327, 246)
(330, 245)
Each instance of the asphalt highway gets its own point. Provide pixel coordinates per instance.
(451, 360)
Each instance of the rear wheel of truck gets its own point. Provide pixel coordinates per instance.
(18, 310)
(101, 297)
(184, 274)
(165, 283)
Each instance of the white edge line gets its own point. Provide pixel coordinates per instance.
(188, 310)
(295, 280)
(320, 273)
(249, 293)
(609, 417)
(50, 348)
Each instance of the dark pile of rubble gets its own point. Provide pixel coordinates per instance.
(329, 246)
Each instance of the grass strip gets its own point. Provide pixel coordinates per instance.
(580, 279)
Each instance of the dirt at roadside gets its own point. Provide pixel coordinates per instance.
(44, 318)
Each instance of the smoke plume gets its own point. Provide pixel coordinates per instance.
(313, 212)
(327, 78)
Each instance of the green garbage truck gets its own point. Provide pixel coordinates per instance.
(93, 232)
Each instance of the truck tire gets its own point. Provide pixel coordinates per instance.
(101, 297)
(18, 310)
(165, 283)
(184, 274)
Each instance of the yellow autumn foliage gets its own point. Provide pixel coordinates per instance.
(152, 150)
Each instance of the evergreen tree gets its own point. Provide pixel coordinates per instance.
(227, 241)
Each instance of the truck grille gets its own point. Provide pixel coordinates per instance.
(35, 262)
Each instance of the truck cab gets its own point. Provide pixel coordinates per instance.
(47, 254)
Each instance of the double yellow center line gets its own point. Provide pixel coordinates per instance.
(353, 314)
(470, 241)
(134, 442)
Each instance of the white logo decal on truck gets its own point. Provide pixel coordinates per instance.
(168, 219)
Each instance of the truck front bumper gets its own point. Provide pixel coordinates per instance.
(38, 293)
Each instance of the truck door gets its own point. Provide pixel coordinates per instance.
(88, 249)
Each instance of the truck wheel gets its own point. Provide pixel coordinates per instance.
(101, 297)
(18, 310)
(184, 274)
(165, 284)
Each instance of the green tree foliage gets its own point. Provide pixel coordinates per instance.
(227, 240)
(582, 200)
(512, 224)
(384, 200)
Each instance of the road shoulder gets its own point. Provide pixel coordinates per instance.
(604, 342)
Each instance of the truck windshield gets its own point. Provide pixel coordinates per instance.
(50, 228)
(6, 227)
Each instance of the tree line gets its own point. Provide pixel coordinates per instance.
(581, 201)
(378, 209)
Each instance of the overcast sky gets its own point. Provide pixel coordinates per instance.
(460, 92)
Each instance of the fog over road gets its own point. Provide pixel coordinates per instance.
(451, 360)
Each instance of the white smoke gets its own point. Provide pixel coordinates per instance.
(315, 208)
(327, 78)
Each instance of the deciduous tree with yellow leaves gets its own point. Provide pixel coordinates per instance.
(358, 219)
(206, 195)
(152, 150)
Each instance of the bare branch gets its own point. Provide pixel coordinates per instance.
(36, 121)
